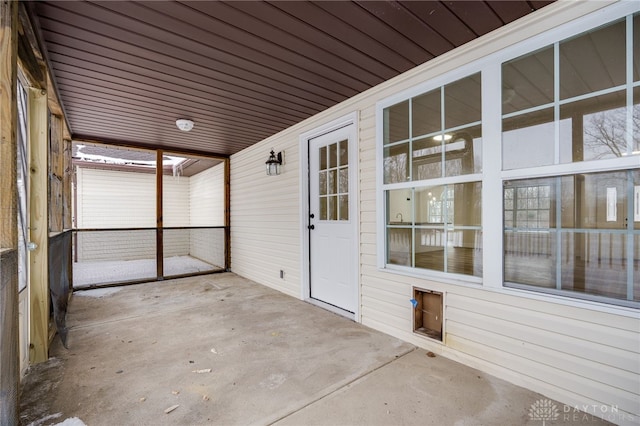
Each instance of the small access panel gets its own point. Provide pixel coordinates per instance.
(428, 313)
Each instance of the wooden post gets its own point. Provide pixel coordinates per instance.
(39, 225)
(8, 117)
(9, 337)
(66, 186)
(56, 174)
(159, 221)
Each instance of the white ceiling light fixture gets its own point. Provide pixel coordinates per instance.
(184, 124)
(445, 137)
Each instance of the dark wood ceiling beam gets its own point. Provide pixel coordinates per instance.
(373, 27)
(340, 29)
(409, 25)
(219, 146)
(97, 59)
(157, 123)
(148, 128)
(197, 35)
(441, 20)
(88, 100)
(147, 133)
(79, 83)
(191, 64)
(128, 144)
(281, 52)
(537, 4)
(479, 17)
(509, 10)
(291, 33)
(166, 170)
(126, 81)
(241, 70)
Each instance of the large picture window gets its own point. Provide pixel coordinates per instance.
(573, 233)
(570, 105)
(540, 191)
(433, 157)
(571, 102)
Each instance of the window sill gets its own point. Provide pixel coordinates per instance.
(441, 277)
(477, 284)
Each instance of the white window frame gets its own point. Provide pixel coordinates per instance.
(492, 176)
(436, 83)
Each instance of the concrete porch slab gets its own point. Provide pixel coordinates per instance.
(228, 351)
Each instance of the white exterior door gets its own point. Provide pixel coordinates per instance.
(333, 250)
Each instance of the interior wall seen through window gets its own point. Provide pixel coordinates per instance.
(574, 101)
(431, 136)
(569, 114)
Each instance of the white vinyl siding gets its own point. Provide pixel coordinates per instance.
(206, 197)
(265, 226)
(207, 245)
(595, 354)
(578, 352)
(176, 200)
(176, 242)
(116, 199)
(107, 199)
(115, 245)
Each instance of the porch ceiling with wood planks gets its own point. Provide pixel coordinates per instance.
(241, 70)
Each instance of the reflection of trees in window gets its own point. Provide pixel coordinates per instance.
(395, 168)
(636, 127)
(604, 133)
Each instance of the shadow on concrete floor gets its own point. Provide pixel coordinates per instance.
(223, 350)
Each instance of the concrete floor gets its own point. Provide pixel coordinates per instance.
(114, 271)
(228, 351)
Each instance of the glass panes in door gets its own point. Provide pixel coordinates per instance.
(334, 181)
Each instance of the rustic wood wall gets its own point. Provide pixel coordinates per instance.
(38, 225)
(9, 349)
(56, 174)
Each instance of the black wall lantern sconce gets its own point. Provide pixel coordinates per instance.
(274, 163)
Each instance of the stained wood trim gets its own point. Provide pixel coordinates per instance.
(39, 223)
(143, 229)
(66, 187)
(227, 214)
(56, 174)
(159, 220)
(125, 144)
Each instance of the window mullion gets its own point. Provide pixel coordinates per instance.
(442, 128)
(630, 146)
(413, 227)
(556, 102)
(558, 231)
(630, 235)
(629, 80)
(492, 205)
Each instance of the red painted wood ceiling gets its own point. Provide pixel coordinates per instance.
(241, 70)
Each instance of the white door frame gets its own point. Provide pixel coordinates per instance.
(305, 291)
